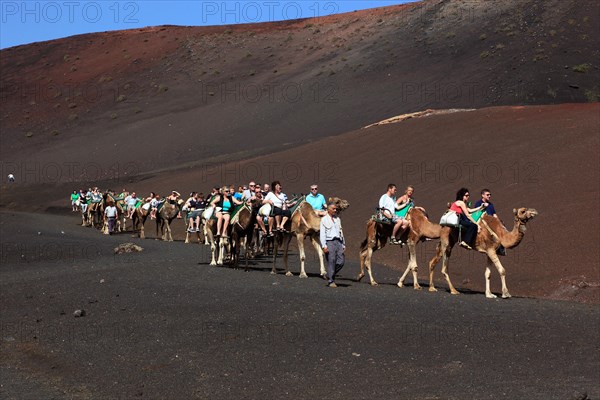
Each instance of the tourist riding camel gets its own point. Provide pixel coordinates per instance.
(492, 234)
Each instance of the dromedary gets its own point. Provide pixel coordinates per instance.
(305, 222)
(419, 229)
(95, 214)
(217, 246)
(491, 235)
(242, 230)
(140, 214)
(165, 215)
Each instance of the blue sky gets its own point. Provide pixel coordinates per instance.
(23, 22)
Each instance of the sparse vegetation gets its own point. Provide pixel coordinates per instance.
(121, 98)
(592, 96)
(582, 68)
(29, 134)
(162, 88)
(484, 54)
(72, 117)
(55, 133)
(114, 115)
(137, 110)
(483, 36)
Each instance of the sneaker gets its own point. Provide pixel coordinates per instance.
(465, 245)
(332, 284)
(394, 241)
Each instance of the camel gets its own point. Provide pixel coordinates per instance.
(139, 216)
(305, 222)
(95, 214)
(220, 245)
(165, 215)
(491, 235)
(242, 230)
(419, 229)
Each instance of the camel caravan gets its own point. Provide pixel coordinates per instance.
(257, 220)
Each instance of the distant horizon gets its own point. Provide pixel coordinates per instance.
(29, 22)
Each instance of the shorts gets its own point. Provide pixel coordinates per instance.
(282, 212)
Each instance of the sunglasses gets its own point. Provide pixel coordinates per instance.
(314, 189)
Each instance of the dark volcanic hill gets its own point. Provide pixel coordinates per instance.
(181, 95)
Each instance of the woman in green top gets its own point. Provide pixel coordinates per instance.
(74, 200)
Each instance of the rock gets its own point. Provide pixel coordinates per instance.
(128, 248)
(101, 280)
(79, 313)
(580, 396)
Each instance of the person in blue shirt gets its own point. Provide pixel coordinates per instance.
(317, 201)
(486, 196)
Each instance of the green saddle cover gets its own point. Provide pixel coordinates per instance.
(300, 200)
(232, 211)
(477, 215)
(236, 209)
(402, 213)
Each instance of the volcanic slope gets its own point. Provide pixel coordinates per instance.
(177, 95)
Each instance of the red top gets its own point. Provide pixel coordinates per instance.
(454, 207)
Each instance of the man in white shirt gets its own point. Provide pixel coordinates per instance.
(249, 191)
(333, 243)
(387, 202)
(110, 213)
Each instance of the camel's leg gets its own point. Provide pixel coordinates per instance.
(275, 250)
(320, 253)
(496, 261)
(300, 241)
(362, 256)
(441, 249)
(412, 263)
(206, 242)
(169, 233)
(445, 262)
(488, 272)
(213, 247)
(286, 246)
(368, 266)
(412, 266)
(221, 250)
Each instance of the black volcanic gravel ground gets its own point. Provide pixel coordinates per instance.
(163, 324)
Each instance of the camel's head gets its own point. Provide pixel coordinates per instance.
(340, 203)
(524, 214)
